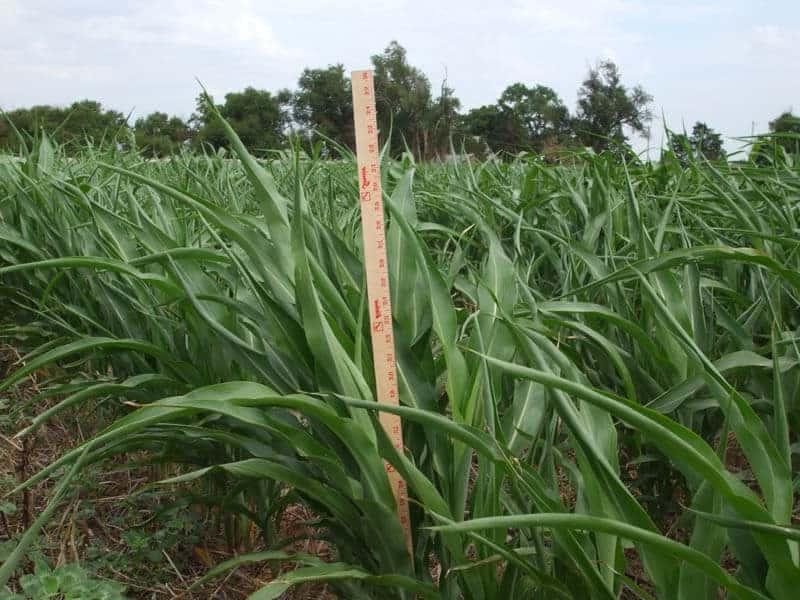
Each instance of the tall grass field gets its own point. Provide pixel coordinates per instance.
(598, 365)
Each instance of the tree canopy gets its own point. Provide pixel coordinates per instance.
(606, 107)
(403, 98)
(523, 119)
(412, 116)
(81, 121)
(786, 128)
(703, 142)
(323, 104)
(259, 117)
(158, 134)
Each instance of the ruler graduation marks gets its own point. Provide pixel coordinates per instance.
(377, 274)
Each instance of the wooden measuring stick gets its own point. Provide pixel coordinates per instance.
(377, 269)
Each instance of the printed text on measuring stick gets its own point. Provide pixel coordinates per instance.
(376, 267)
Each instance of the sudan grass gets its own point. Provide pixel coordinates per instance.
(549, 319)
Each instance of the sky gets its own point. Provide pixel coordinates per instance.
(734, 64)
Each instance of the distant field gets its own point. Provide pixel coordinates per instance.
(599, 369)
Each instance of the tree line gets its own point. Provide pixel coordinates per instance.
(412, 117)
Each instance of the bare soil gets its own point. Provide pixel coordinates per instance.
(70, 536)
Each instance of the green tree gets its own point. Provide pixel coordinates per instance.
(6, 135)
(28, 121)
(323, 102)
(538, 110)
(259, 117)
(703, 142)
(88, 119)
(787, 128)
(81, 121)
(493, 128)
(524, 118)
(706, 142)
(606, 107)
(442, 122)
(158, 134)
(403, 99)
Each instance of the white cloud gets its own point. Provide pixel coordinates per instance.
(572, 15)
(713, 60)
(236, 24)
(8, 10)
(776, 38)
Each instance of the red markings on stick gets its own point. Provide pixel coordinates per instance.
(364, 180)
(376, 267)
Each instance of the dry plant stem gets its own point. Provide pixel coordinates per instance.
(22, 475)
(11, 443)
